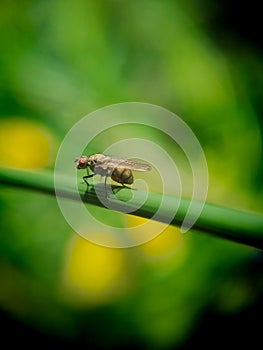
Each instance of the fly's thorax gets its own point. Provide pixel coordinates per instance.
(97, 157)
(94, 160)
(123, 176)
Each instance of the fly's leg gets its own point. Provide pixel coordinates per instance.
(86, 177)
(105, 184)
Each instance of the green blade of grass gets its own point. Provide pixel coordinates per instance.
(236, 225)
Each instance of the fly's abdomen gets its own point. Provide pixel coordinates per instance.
(123, 176)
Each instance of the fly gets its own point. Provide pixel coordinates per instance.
(120, 170)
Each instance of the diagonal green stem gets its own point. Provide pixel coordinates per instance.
(236, 225)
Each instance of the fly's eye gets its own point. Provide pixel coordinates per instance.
(81, 163)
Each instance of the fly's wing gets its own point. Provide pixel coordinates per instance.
(128, 164)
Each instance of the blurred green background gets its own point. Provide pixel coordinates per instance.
(61, 60)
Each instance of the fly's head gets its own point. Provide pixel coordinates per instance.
(82, 162)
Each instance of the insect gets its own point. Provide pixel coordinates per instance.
(120, 170)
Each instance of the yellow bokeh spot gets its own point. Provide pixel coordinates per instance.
(94, 271)
(168, 244)
(24, 144)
